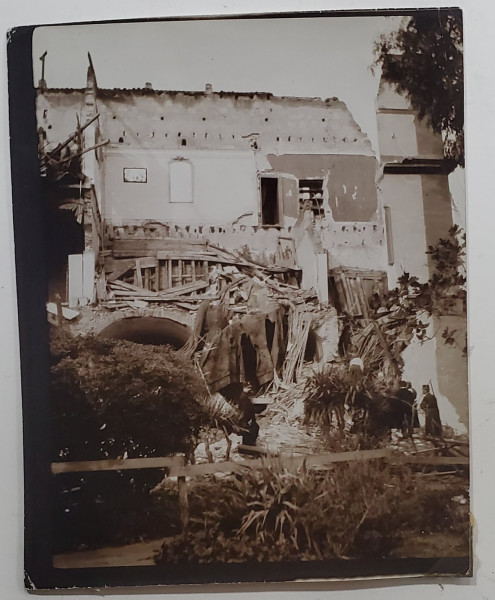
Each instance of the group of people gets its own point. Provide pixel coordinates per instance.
(427, 404)
(407, 396)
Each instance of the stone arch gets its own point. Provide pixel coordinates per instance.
(93, 321)
(156, 331)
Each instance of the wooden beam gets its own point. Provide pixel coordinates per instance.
(431, 460)
(385, 347)
(138, 278)
(132, 288)
(187, 288)
(169, 274)
(75, 279)
(289, 462)
(120, 464)
(183, 502)
(362, 295)
(180, 275)
(145, 247)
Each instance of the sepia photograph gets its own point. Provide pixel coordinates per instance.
(241, 277)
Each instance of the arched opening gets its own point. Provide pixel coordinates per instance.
(155, 331)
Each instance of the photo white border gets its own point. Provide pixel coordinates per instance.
(479, 27)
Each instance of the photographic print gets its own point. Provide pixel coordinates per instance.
(240, 251)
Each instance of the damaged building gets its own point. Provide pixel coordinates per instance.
(159, 196)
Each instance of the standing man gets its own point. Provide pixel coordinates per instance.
(429, 405)
(407, 396)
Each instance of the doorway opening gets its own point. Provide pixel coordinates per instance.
(269, 201)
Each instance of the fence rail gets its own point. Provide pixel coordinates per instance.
(176, 466)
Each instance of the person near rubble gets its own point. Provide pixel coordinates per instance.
(248, 426)
(356, 372)
(429, 406)
(407, 396)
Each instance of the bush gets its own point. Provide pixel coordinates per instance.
(353, 511)
(112, 397)
(326, 391)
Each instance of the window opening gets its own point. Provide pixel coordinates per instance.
(311, 196)
(181, 187)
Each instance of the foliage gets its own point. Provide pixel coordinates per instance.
(443, 294)
(424, 60)
(272, 514)
(448, 283)
(325, 391)
(93, 510)
(113, 397)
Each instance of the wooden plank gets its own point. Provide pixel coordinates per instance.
(121, 464)
(177, 467)
(362, 296)
(148, 247)
(131, 294)
(169, 274)
(88, 275)
(172, 298)
(187, 288)
(208, 256)
(148, 262)
(180, 275)
(56, 308)
(193, 270)
(162, 276)
(134, 288)
(138, 279)
(432, 460)
(350, 300)
(209, 469)
(75, 279)
(118, 268)
(389, 235)
(188, 271)
(289, 462)
(183, 502)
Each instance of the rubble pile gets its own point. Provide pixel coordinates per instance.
(251, 323)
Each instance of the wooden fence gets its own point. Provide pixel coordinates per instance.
(176, 466)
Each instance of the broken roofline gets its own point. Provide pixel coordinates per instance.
(146, 91)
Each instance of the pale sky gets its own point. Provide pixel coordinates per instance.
(325, 57)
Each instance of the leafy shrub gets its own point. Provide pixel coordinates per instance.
(355, 510)
(325, 393)
(108, 508)
(112, 397)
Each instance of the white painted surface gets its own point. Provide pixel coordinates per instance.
(420, 367)
(224, 186)
(397, 135)
(403, 193)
